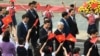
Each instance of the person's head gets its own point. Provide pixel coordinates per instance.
(33, 4)
(65, 15)
(25, 18)
(6, 36)
(48, 6)
(21, 41)
(72, 6)
(60, 26)
(71, 12)
(11, 3)
(76, 50)
(2, 10)
(92, 11)
(46, 24)
(93, 32)
(47, 50)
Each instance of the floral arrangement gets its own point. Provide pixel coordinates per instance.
(91, 4)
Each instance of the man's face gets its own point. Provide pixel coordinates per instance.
(66, 16)
(72, 13)
(32, 6)
(47, 25)
(60, 27)
(3, 10)
(26, 19)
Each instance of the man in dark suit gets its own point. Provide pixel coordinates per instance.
(44, 32)
(22, 27)
(73, 26)
(59, 31)
(66, 29)
(72, 23)
(32, 13)
(88, 44)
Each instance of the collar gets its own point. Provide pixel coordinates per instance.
(59, 30)
(64, 19)
(24, 23)
(45, 29)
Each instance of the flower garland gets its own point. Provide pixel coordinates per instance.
(91, 4)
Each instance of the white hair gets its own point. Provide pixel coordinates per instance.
(60, 23)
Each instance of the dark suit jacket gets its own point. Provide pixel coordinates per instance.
(57, 32)
(66, 44)
(32, 17)
(87, 45)
(66, 29)
(73, 26)
(43, 35)
(21, 31)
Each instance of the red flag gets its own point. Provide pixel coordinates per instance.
(36, 21)
(60, 38)
(71, 38)
(12, 0)
(94, 5)
(6, 20)
(51, 36)
(94, 40)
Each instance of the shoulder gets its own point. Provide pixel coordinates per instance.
(57, 31)
(62, 20)
(11, 44)
(20, 24)
(42, 29)
(87, 42)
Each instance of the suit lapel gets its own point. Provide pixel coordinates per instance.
(24, 27)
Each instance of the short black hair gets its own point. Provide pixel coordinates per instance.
(46, 49)
(21, 41)
(70, 10)
(6, 36)
(34, 2)
(72, 5)
(64, 13)
(30, 4)
(92, 31)
(24, 16)
(46, 21)
(76, 50)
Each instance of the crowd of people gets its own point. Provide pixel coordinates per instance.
(28, 38)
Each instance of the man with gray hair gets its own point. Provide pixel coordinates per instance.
(59, 31)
